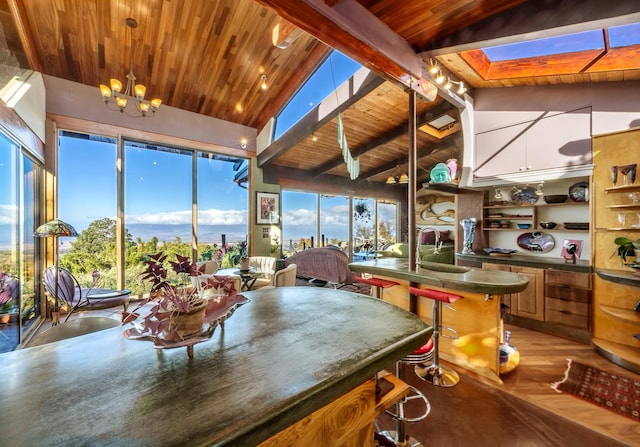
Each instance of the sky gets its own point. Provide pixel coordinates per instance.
(157, 182)
(619, 36)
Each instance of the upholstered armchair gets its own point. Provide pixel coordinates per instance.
(266, 267)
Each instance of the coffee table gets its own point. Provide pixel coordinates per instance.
(247, 277)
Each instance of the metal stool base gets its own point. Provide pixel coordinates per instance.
(438, 376)
(392, 435)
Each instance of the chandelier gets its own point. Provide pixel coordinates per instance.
(132, 91)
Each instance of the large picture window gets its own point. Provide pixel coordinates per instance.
(164, 189)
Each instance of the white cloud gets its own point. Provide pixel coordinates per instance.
(299, 217)
(8, 214)
(206, 217)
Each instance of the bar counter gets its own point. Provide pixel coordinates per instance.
(281, 357)
(452, 277)
(477, 318)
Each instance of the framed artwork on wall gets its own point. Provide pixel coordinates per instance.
(268, 208)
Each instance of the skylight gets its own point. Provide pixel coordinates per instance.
(336, 69)
(619, 36)
(624, 35)
(570, 43)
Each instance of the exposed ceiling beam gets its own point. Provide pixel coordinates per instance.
(298, 179)
(24, 32)
(451, 140)
(536, 19)
(349, 92)
(391, 135)
(352, 29)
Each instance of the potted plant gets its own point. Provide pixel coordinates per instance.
(179, 309)
(6, 297)
(240, 255)
(626, 247)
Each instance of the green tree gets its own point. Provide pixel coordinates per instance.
(95, 249)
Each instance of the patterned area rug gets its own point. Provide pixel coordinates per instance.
(611, 391)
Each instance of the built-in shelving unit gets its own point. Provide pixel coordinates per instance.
(532, 216)
(616, 286)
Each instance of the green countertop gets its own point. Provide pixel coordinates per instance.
(529, 261)
(447, 276)
(280, 357)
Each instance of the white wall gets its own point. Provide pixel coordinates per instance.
(85, 102)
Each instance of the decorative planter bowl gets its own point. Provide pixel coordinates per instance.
(548, 225)
(556, 198)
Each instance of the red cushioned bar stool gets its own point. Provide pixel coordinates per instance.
(379, 283)
(399, 437)
(434, 373)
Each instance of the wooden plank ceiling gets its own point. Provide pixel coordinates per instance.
(207, 56)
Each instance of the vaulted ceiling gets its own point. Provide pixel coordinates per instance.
(207, 56)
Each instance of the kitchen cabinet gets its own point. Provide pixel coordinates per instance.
(568, 298)
(558, 140)
(530, 302)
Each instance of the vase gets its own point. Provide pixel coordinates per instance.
(244, 264)
(185, 324)
(469, 228)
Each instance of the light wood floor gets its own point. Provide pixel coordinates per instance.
(543, 360)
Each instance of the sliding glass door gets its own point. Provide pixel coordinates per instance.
(20, 305)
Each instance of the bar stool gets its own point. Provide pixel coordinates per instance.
(434, 373)
(379, 283)
(399, 437)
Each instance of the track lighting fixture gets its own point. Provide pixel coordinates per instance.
(263, 82)
(440, 78)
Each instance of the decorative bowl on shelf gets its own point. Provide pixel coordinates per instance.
(524, 226)
(548, 225)
(556, 198)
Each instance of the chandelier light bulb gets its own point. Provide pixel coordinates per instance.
(448, 84)
(139, 91)
(440, 78)
(116, 85)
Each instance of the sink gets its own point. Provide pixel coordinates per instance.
(445, 268)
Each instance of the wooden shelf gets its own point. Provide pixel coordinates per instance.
(536, 205)
(618, 229)
(623, 188)
(623, 355)
(628, 315)
(630, 206)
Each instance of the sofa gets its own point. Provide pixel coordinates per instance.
(324, 264)
(428, 253)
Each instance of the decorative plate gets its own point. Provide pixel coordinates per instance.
(536, 241)
(524, 195)
(579, 192)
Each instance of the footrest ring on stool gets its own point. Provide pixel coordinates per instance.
(414, 393)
